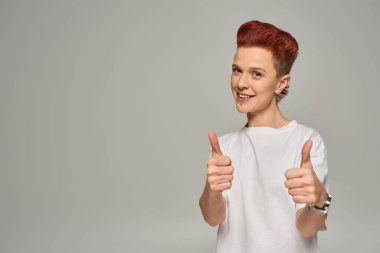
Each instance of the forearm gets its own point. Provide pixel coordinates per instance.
(213, 207)
(309, 222)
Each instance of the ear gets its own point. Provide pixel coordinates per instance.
(282, 82)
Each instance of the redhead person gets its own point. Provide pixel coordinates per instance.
(267, 182)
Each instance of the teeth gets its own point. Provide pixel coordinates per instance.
(244, 96)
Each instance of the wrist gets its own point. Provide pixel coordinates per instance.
(325, 207)
(210, 192)
(321, 203)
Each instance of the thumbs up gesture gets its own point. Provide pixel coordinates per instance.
(219, 168)
(303, 184)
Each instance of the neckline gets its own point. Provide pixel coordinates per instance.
(267, 129)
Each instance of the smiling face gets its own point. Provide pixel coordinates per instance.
(254, 75)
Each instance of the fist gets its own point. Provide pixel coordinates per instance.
(219, 168)
(303, 183)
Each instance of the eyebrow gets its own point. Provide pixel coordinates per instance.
(250, 68)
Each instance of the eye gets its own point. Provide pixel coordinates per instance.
(235, 70)
(256, 74)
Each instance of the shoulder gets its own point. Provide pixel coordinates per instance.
(308, 132)
(311, 133)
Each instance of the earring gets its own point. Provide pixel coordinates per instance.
(277, 95)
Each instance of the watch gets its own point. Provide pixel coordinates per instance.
(325, 207)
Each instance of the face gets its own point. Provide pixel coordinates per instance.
(254, 75)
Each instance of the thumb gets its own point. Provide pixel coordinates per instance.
(306, 163)
(216, 151)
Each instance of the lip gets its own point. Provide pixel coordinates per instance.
(242, 100)
(243, 94)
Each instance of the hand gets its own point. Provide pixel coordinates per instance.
(219, 168)
(303, 184)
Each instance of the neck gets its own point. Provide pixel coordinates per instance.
(270, 116)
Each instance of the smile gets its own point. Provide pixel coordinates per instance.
(243, 98)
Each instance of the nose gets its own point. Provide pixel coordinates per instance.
(243, 82)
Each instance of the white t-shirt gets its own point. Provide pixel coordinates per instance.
(261, 215)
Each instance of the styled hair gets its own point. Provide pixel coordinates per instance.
(282, 44)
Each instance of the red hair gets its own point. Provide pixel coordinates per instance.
(283, 46)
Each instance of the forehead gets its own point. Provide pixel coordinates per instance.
(246, 57)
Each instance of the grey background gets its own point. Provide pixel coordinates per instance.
(105, 108)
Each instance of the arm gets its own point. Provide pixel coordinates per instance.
(213, 206)
(309, 222)
(219, 178)
(309, 185)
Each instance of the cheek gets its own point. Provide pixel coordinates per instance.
(264, 88)
(234, 81)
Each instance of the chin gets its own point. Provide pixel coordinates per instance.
(242, 109)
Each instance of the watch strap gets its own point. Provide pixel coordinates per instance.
(325, 207)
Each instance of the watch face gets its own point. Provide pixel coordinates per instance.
(325, 207)
(328, 201)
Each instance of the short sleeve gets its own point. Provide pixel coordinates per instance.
(318, 157)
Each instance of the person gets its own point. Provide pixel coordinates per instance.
(267, 185)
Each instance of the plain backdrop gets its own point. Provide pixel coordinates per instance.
(105, 108)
